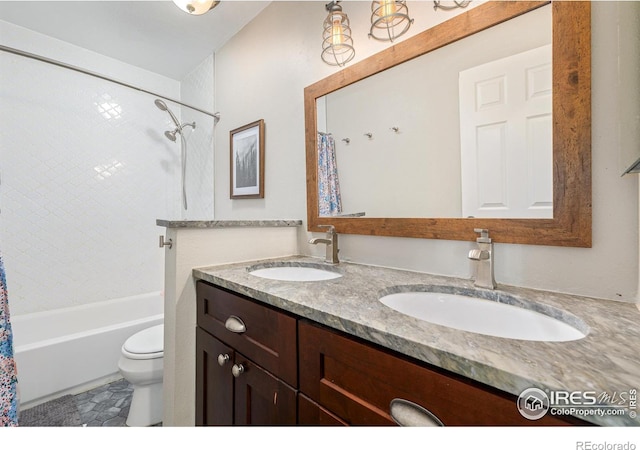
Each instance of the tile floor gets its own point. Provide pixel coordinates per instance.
(105, 406)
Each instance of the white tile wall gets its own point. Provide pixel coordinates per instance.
(85, 172)
(196, 89)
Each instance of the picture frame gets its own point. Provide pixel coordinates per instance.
(247, 161)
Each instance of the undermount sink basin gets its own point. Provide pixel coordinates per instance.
(488, 317)
(294, 272)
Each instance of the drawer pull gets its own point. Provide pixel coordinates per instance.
(223, 359)
(237, 370)
(409, 414)
(235, 325)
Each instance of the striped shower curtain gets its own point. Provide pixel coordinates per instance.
(8, 378)
(329, 201)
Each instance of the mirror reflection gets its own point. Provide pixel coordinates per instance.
(462, 131)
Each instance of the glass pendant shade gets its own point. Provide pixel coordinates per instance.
(196, 7)
(389, 19)
(337, 45)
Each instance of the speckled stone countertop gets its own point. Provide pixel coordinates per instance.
(227, 223)
(607, 360)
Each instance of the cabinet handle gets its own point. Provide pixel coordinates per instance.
(409, 414)
(237, 370)
(235, 324)
(223, 359)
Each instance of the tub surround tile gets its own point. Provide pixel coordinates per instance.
(227, 223)
(605, 361)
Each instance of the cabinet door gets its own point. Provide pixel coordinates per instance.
(261, 398)
(344, 377)
(310, 413)
(214, 382)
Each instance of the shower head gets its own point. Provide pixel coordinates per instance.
(171, 135)
(163, 107)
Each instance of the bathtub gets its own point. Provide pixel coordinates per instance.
(70, 350)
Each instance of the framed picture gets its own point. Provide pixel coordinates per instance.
(247, 161)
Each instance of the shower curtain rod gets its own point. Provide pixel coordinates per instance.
(15, 51)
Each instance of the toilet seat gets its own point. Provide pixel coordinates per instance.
(145, 344)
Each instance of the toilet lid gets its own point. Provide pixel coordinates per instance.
(148, 341)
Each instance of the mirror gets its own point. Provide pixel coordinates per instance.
(430, 166)
(570, 133)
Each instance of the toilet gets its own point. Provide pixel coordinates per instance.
(141, 364)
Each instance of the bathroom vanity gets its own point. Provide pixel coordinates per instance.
(246, 362)
(329, 352)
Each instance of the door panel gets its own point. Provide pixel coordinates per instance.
(262, 399)
(214, 383)
(506, 137)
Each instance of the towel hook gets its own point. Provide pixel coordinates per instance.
(346, 140)
(395, 129)
(369, 135)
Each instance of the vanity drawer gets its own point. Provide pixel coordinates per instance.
(356, 381)
(269, 338)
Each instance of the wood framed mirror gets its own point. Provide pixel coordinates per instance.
(571, 131)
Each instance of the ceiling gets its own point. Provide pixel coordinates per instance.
(153, 35)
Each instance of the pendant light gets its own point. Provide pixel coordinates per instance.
(337, 45)
(389, 19)
(196, 7)
(456, 4)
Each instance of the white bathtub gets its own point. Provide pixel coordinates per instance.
(74, 349)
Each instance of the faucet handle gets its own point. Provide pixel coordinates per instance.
(484, 235)
(331, 228)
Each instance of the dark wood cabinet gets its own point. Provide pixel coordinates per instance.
(246, 361)
(257, 365)
(310, 413)
(261, 398)
(356, 381)
(214, 381)
(269, 338)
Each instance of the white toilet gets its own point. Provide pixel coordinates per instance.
(141, 364)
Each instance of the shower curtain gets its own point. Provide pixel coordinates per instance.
(8, 378)
(329, 201)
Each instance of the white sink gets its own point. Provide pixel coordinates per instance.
(294, 273)
(482, 316)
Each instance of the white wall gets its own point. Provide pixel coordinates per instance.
(261, 73)
(86, 171)
(628, 40)
(196, 89)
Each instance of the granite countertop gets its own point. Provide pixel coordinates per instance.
(606, 361)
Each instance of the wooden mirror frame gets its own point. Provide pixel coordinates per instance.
(571, 222)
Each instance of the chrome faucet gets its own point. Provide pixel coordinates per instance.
(483, 256)
(331, 240)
